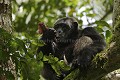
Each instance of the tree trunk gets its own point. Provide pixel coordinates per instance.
(109, 60)
(6, 24)
(5, 15)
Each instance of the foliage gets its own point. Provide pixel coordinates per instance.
(21, 45)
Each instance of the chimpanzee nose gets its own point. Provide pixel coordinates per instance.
(59, 32)
(57, 36)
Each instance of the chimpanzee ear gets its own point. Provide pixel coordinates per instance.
(75, 24)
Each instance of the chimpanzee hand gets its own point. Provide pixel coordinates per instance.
(49, 34)
(84, 58)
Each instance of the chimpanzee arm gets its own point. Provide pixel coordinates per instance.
(98, 42)
(87, 46)
(48, 39)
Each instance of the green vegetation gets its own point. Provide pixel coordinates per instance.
(22, 44)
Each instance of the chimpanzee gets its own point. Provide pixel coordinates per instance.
(77, 47)
(48, 35)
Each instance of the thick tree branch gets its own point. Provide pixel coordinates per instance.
(110, 59)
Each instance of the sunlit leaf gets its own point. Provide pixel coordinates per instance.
(102, 23)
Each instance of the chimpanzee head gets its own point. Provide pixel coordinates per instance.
(65, 28)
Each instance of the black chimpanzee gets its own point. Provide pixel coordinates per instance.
(77, 47)
(48, 35)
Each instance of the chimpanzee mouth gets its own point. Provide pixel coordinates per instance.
(57, 39)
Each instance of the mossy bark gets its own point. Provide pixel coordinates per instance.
(6, 24)
(109, 60)
(5, 15)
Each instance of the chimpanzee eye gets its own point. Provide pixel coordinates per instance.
(66, 28)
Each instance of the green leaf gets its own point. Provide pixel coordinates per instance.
(45, 58)
(52, 59)
(80, 22)
(73, 75)
(99, 29)
(63, 66)
(37, 42)
(21, 44)
(56, 67)
(108, 33)
(102, 23)
(39, 56)
(90, 15)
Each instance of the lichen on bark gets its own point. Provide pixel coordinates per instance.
(5, 15)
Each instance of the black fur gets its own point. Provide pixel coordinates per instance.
(48, 37)
(77, 47)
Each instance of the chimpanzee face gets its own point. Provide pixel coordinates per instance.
(61, 31)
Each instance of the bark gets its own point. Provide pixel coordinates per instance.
(109, 60)
(5, 15)
(6, 24)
